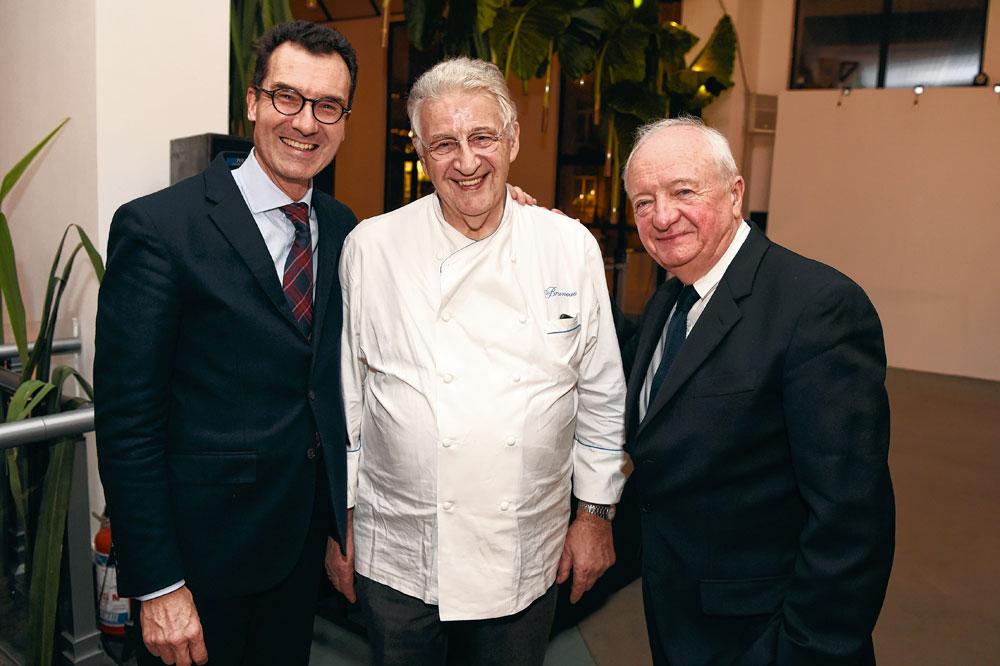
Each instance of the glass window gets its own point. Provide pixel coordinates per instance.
(887, 44)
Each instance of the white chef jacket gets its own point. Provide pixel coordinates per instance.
(481, 381)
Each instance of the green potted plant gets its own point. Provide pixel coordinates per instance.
(39, 482)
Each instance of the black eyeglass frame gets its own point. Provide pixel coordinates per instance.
(344, 110)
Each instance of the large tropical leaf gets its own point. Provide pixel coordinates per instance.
(626, 38)
(43, 588)
(422, 20)
(673, 43)
(719, 53)
(521, 36)
(486, 12)
(460, 28)
(635, 99)
(578, 45)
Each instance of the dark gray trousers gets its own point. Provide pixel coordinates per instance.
(404, 631)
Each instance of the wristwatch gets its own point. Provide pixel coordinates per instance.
(605, 511)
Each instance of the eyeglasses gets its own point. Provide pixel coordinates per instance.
(480, 143)
(288, 102)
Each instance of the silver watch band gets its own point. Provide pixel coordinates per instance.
(605, 511)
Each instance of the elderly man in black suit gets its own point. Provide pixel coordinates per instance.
(220, 426)
(758, 421)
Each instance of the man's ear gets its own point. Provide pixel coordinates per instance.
(738, 188)
(252, 104)
(515, 140)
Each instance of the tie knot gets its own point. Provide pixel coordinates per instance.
(687, 298)
(297, 212)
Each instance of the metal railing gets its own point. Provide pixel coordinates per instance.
(80, 641)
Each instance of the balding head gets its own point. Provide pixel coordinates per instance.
(686, 195)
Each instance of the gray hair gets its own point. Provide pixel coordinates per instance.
(718, 147)
(458, 75)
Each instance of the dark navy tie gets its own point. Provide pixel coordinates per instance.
(676, 333)
(298, 278)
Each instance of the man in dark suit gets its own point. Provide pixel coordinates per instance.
(220, 425)
(758, 421)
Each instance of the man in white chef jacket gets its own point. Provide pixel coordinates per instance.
(482, 385)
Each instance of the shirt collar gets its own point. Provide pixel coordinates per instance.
(709, 280)
(259, 190)
(455, 237)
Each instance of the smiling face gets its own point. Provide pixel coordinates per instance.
(471, 186)
(293, 149)
(686, 213)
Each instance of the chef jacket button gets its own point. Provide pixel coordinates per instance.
(523, 318)
(516, 378)
(513, 259)
(447, 377)
(446, 316)
(504, 506)
(511, 441)
(447, 505)
(446, 442)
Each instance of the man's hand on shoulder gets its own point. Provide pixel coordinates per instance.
(587, 554)
(171, 628)
(340, 567)
(520, 196)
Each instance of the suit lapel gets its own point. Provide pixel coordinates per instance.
(654, 320)
(236, 223)
(327, 255)
(719, 317)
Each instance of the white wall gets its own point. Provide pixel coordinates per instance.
(124, 72)
(903, 199)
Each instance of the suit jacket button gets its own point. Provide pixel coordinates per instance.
(311, 452)
(646, 507)
(311, 394)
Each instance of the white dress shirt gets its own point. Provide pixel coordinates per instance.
(264, 199)
(705, 287)
(482, 380)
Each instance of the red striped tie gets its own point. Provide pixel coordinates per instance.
(298, 279)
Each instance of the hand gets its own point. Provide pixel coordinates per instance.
(340, 568)
(171, 628)
(520, 196)
(588, 552)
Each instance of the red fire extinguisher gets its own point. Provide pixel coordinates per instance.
(114, 612)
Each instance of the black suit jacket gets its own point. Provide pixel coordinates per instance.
(761, 468)
(208, 397)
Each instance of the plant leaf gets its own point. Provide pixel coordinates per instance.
(577, 46)
(26, 398)
(43, 590)
(95, 256)
(11, 290)
(18, 493)
(15, 174)
(673, 42)
(422, 17)
(719, 53)
(633, 98)
(63, 372)
(486, 12)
